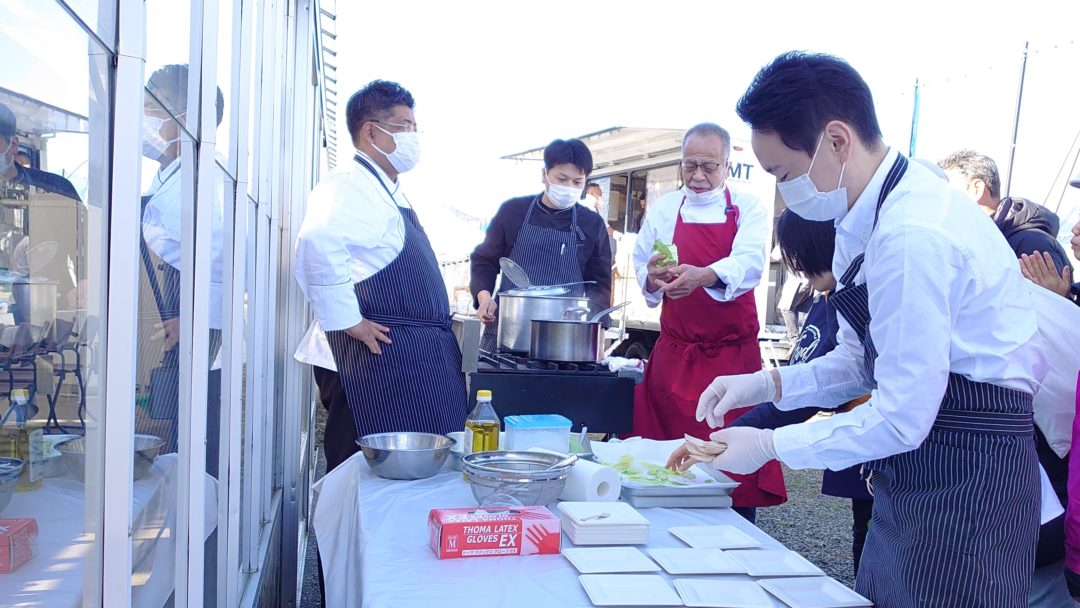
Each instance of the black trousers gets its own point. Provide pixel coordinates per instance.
(339, 440)
(861, 510)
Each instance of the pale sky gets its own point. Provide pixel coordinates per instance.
(494, 78)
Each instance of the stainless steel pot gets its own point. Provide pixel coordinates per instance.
(517, 311)
(562, 340)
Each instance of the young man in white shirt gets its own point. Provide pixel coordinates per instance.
(934, 319)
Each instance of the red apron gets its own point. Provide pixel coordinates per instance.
(700, 339)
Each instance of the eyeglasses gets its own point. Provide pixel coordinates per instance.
(406, 126)
(690, 166)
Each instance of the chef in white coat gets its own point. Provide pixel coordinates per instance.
(934, 319)
(375, 288)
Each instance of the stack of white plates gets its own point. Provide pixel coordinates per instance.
(603, 523)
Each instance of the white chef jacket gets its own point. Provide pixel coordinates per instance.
(314, 349)
(946, 294)
(161, 228)
(740, 272)
(352, 230)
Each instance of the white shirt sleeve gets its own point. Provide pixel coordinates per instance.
(830, 380)
(642, 252)
(741, 271)
(916, 278)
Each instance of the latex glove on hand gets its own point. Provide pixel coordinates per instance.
(748, 449)
(693, 451)
(731, 392)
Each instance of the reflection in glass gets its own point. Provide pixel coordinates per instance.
(99, 16)
(54, 123)
(168, 39)
(226, 37)
(165, 210)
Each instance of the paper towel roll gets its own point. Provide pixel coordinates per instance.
(588, 481)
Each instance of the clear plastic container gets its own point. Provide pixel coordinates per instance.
(549, 431)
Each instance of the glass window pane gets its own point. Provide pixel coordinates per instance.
(99, 16)
(226, 39)
(168, 38)
(55, 108)
(167, 211)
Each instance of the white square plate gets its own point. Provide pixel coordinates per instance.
(719, 593)
(629, 590)
(602, 514)
(817, 592)
(696, 561)
(715, 537)
(597, 560)
(775, 562)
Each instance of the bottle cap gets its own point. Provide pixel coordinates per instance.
(483, 394)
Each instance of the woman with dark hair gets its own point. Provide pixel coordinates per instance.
(807, 250)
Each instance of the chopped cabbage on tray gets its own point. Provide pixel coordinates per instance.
(648, 473)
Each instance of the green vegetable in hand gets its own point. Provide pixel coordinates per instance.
(671, 253)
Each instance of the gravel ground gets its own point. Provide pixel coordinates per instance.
(815, 525)
(310, 595)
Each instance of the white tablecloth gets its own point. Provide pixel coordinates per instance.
(54, 577)
(399, 569)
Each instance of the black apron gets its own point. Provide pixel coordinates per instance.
(416, 384)
(955, 520)
(548, 257)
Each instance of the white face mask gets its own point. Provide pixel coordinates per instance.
(406, 152)
(6, 164)
(805, 200)
(704, 198)
(154, 145)
(563, 197)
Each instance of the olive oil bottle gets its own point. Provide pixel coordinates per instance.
(19, 440)
(482, 426)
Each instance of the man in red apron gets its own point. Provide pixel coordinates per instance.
(708, 323)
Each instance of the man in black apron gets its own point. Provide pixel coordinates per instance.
(934, 319)
(366, 266)
(554, 239)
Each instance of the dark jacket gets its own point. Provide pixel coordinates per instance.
(594, 250)
(817, 338)
(49, 182)
(1029, 228)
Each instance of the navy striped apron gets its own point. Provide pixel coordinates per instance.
(416, 384)
(955, 520)
(548, 257)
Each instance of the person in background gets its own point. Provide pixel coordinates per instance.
(375, 288)
(550, 235)
(1030, 228)
(935, 320)
(15, 164)
(1031, 231)
(594, 194)
(15, 168)
(1072, 509)
(708, 316)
